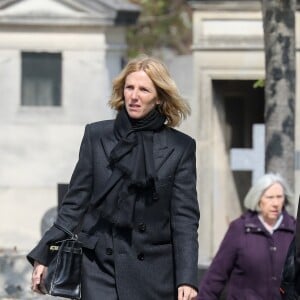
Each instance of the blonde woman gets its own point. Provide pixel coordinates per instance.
(134, 190)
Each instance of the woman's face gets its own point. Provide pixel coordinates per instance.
(140, 95)
(271, 203)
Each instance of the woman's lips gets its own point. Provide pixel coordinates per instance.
(134, 107)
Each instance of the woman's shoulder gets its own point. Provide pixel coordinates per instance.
(100, 127)
(237, 223)
(101, 124)
(235, 231)
(286, 214)
(178, 136)
(289, 220)
(242, 221)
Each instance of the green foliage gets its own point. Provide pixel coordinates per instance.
(260, 83)
(162, 24)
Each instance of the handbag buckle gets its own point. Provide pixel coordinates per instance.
(54, 248)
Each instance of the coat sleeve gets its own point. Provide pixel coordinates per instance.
(218, 274)
(185, 218)
(74, 204)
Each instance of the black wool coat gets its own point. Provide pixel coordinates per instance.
(160, 253)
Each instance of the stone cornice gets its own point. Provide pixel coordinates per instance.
(217, 5)
(119, 19)
(230, 43)
(47, 21)
(86, 13)
(228, 5)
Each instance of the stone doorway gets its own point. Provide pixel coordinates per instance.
(238, 107)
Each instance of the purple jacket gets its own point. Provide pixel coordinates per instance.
(249, 261)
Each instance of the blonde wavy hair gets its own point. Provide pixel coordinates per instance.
(172, 105)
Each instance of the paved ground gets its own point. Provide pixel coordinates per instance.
(28, 297)
(33, 298)
(15, 276)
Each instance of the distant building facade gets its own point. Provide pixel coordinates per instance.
(76, 48)
(57, 60)
(228, 113)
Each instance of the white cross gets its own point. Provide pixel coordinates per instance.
(243, 159)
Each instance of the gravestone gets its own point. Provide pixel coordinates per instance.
(51, 214)
(245, 159)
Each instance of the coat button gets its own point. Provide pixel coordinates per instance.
(273, 248)
(141, 256)
(109, 251)
(155, 196)
(142, 227)
(274, 278)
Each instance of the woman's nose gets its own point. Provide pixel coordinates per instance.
(276, 201)
(134, 94)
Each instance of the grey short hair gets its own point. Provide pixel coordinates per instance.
(253, 196)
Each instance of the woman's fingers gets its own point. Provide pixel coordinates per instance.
(36, 278)
(186, 292)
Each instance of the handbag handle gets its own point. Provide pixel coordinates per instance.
(72, 235)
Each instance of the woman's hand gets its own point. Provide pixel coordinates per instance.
(186, 292)
(38, 274)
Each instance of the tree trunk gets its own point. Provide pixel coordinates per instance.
(279, 37)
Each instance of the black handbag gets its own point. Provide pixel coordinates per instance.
(63, 277)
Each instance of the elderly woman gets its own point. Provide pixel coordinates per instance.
(132, 195)
(251, 256)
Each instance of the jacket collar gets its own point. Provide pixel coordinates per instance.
(161, 150)
(253, 224)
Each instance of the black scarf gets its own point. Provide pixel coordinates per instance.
(132, 164)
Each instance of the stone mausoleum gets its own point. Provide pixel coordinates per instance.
(77, 47)
(57, 60)
(228, 112)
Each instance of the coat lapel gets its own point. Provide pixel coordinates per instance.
(161, 151)
(108, 143)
